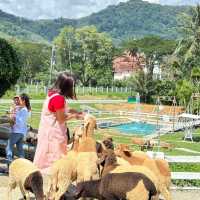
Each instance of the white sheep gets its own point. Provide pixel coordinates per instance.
(27, 176)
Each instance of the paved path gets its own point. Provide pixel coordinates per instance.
(188, 150)
(183, 159)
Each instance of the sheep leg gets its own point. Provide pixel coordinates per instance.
(24, 192)
(62, 189)
(52, 185)
(109, 196)
(11, 185)
(166, 194)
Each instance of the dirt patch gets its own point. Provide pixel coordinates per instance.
(147, 108)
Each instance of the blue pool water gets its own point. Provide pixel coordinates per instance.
(137, 128)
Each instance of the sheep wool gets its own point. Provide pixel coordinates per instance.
(19, 171)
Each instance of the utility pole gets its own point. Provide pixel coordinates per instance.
(69, 55)
(53, 62)
(158, 103)
(174, 104)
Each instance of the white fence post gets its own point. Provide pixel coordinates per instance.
(36, 89)
(77, 89)
(83, 90)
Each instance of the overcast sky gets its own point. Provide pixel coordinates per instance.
(43, 9)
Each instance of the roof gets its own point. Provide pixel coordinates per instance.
(127, 63)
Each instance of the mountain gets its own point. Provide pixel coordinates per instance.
(135, 18)
(12, 26)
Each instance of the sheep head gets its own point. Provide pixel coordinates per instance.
(89, 125)
(123, 150)
(34, 183)
(107, 157)
(78, 131)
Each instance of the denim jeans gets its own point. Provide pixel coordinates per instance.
(15, 138)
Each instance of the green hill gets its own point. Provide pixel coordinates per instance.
(134, 18)
(137, 18)
(12, 26)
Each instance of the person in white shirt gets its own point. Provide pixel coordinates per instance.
(19, 128)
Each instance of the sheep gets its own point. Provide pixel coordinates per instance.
(87, 155)
(27, 176)
(116, 186)
(110, 164)
(63, 172)
(133, 179)
(158, 166)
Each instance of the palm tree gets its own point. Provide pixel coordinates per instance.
(188, 49)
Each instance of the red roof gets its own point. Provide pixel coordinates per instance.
(127, 63)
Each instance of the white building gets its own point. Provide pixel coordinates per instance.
(157, 73)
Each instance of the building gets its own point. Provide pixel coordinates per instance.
(125, 65)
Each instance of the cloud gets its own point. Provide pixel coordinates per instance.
(40, 9)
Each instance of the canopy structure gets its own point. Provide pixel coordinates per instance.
(187, 122)
(189, 116)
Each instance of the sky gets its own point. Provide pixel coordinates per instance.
(51, 9)
(72, 9)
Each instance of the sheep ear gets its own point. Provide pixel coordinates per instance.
(127, 153)
(85, 131)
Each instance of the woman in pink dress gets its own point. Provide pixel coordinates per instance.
(52, 139)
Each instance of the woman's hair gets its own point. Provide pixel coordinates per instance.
(65, 85)
(25, 97)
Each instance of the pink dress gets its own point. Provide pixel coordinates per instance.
(52, 139)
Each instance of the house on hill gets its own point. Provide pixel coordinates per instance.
(125, 65)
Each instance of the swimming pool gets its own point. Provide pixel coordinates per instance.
(139, 128)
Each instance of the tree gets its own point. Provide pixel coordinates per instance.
(188, 49)
(34, 58)
(89, 54)
(184, 91)
(141, 83)
(9, 66)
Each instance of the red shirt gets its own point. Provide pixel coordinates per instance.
(56, 103)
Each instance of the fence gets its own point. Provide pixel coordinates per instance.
(35, 89)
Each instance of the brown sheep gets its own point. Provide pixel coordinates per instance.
(159, 167)
(116, 186)
(109, 161)
(27, 176)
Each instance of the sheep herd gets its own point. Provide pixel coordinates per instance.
(98, 171)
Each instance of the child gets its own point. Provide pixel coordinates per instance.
(13, 109)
